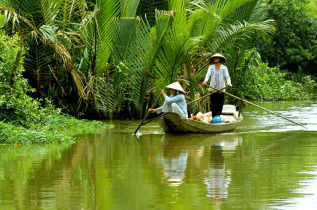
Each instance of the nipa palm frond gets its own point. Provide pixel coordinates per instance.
(154, 40)
(82, 7)
(37, 63)
(50, 9)
(106, 96)
(178, 41)
(129, 8)
(85, 59)
(108, 11)
(132, 49)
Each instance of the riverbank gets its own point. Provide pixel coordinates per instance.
(59, 129)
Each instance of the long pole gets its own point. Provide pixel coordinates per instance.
(248, 102)
(147, 113)
(205, 96)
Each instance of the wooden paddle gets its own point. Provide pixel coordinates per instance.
(154, 118)
(245, 101)
(147, 113)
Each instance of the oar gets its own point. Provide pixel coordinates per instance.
(205, 96)
(150, 120)
(248, 102)
(147, 114)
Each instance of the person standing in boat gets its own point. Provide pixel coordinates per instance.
(175, 102)
(217, 73)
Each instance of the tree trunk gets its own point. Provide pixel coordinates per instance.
(17, 62)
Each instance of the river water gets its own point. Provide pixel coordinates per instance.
(266, 163)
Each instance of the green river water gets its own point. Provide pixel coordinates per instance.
(266, 163)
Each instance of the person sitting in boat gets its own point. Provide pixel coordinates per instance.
(217, 73)
(175, 102)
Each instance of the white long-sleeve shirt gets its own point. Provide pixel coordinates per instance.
(223, 75)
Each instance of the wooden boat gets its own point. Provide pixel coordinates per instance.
(173, 123)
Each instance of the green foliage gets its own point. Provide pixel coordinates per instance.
(15, 105)
(99, 57)
(107, 59)
(311, 8)
(8, 51)
(271, 84)
(294, 42)
(11, 134)
(23, 119)
(48, 29)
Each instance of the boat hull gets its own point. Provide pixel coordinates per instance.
(174, 124)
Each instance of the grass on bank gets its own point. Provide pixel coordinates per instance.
(59, 129)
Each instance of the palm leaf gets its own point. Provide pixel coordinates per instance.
(131, 47)
(213, 14)
(105, 96)
(156, 39)
(82, 7)
(108, 11)
(129, 8)
(12, 15)
(178, 42)
(38, 62)
(85, 59)
(50, 9)
(223, 8)
(48, 34)
(29, 12)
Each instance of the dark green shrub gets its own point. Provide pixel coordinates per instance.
(270, 84)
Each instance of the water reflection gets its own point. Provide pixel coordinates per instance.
(28, 176)
(195, 159)
(217, 178)
(117, 170)
(174, 167)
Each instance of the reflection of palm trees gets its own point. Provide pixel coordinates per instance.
(50, 176)
(66, 175)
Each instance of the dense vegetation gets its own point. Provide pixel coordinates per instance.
(111, 58)
(270, 84)
(294, 43)
(22, 118)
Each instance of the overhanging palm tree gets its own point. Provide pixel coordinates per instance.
(114, 58)
(39, 23)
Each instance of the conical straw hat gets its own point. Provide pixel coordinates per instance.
(218, 55)
(175, 86)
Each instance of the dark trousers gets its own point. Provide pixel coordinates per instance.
(216, 103)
